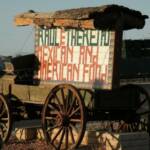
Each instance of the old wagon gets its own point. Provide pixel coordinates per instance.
(76, 75)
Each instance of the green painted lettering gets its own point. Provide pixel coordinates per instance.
(79, 37)
(40, 37)
(85, 38)
(94, 37)
(73, 38)
(104, 38)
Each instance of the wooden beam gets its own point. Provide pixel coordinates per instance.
(104, 17)
(86, 24)
(23, 21)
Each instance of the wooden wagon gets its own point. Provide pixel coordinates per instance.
(74, 75)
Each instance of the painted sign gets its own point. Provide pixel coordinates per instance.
(82, 57)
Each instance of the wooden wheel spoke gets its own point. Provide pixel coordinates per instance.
(56, 135)
(71, 106)
(3, 126)
(1, 133)
(59, 103)
(72, 136)
(61, 139)
(52, 128)
(75, 111)
(53, 109)
(3, 111)
(75, 120)
(68, 99)
(4, 119)
(74, 128)
(53, 114)
(50, 118)
(141, 103)
(67, 134)
(88, 96)
(63, 98)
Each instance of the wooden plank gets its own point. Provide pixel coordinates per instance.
(31, 94)
(107, 14)
(87, 24)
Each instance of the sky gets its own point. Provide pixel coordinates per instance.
(20, 40)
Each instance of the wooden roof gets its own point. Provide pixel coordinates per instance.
(89, 18)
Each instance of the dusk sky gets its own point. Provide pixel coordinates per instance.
(20, 40)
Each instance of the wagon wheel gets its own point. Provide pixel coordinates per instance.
(5, 119)
(141, 120)
(63, 117)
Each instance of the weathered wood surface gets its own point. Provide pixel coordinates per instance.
(92, 17)
(24, 93)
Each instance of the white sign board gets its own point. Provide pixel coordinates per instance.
(81, 57)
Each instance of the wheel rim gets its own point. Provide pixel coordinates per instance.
(5, 119)
(141, 119)
(63, 117)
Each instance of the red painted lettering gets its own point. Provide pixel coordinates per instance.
(88, 54)
(55, 72)
(81, 55)
(63, 55)
(85, 72)
(69, 72)
(76, 69)
(70, 53)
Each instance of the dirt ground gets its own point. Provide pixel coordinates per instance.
(14, 144)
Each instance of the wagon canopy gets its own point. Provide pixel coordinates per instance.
(103, 17)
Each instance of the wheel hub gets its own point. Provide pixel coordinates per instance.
(65, 121)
